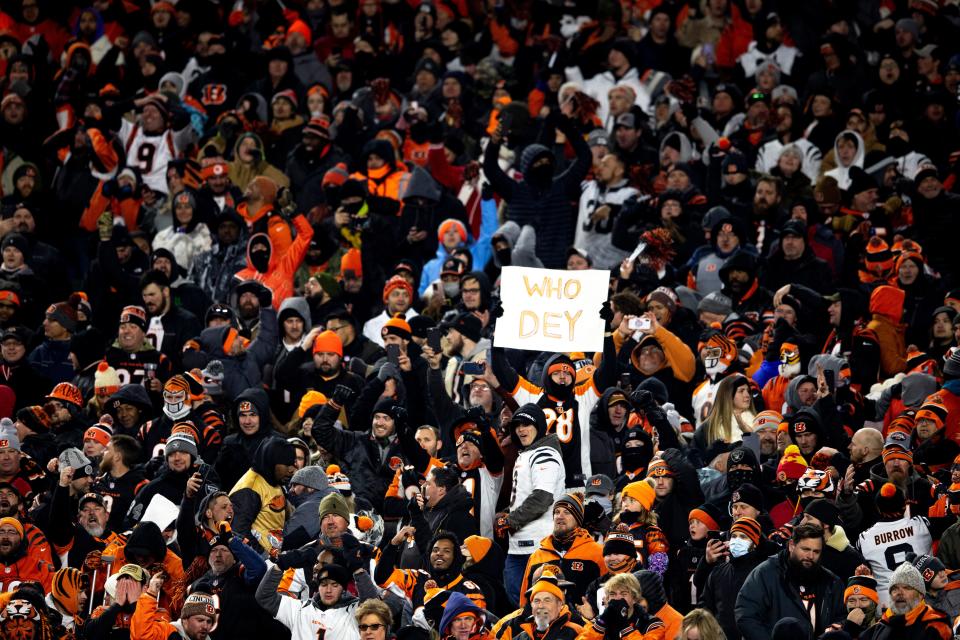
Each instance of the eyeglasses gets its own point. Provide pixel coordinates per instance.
(371, 627)
(469, 290)
(337, 328)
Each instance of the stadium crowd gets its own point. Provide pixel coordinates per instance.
(251, 271)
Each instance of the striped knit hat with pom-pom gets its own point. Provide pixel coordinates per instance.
(792, 465)
(890, 501)
(933, 409)
(106, 381)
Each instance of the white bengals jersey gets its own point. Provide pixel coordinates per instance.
(540, 468)
(885, 546)
(151, 154)
(703, 399)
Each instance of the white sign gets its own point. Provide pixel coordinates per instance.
(551, 310)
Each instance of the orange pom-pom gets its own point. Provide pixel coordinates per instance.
(723, 143)
(364, 523)
(103, 366)
(332, 469)
(888, 490)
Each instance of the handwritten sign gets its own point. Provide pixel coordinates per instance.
(551, 310)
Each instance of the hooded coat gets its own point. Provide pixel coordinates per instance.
(886, 309)
(842, 173)
(238, 450)
(241, 173)
(538, 481)
(544, 204)
(278, 276)
(605, 439)
(242, 371)
(259, 502)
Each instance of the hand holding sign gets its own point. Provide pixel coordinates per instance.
(551, 310)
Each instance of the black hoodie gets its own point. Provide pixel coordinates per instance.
(237, 452)
(605, 439)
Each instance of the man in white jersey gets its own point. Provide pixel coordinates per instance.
(886, 545)
(150, 142)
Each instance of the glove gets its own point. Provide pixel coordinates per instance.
(342, 395)
(689, 110)
(615, 616)
(358, 367)
(410, 477)
(226, 533)
(413, 507)
(298, 558)
(356, 557)
(606, 314)
(643, 400)
(387, 371)
(593, 513)
(501, 525)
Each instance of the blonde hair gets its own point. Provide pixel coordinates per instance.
(705, 623)
(376, 608)
(718, 423)
(626, 581)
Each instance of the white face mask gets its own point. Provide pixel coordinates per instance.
(739, 547)
(175, 406)
(789, 370)
(716, 368)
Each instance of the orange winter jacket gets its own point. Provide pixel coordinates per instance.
(886, 305)
(582, 563)
(282, 266)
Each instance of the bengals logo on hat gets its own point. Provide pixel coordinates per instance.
(800, 427)
(782, 476)
(395, 463)
(576, 566)
(856, 589)
(595, 482)
(246, 405)
(928, 575)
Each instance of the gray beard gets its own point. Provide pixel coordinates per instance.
(543, 622)
(95, 531)
(901, 611)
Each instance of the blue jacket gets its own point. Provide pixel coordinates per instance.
(52, 359)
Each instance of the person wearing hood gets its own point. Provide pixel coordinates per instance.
(542, 199)
(513, 246)
(145, 547)
(295, 324)
(368, 454)
(462, 619)
(538, 482)
(656, 352)
(272, 264)
(386, 178)
(608, 423)
(677, 490)
(727, 238)
(258, 497)
(571, 547)
(427, 206)
(182, 464)
(566, 405)
(186, 238)
(243, 360)
(251, 412)
(130, 408)
(849, 151)
(250, 163)
(795, 262)
(451, 236)
(886, 309)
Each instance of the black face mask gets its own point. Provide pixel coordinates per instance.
(634, 458)
(897, 146)
(739, 477)
(314, 258)
(260, 260)
(540, 175)
(629, 517)
(351, 207)
(504, 256)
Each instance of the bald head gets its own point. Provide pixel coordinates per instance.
(866, 445)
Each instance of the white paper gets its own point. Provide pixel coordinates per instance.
(161, 511)
(551, 310)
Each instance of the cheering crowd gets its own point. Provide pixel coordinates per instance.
(252, 256)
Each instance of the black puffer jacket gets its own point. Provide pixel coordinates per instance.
(769, 595)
